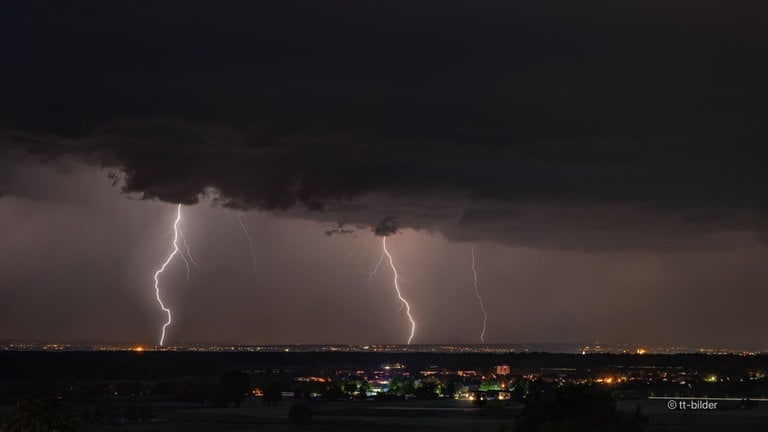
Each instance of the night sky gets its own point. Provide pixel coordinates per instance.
(607, 160)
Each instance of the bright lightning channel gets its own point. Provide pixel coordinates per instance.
(176, 250)
(477, 293)
(397, 289)
(250, 241)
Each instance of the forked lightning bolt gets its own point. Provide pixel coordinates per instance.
(477, 293)
(176, 250)
(189, 254)
(397, 289)
(250, 241)
(372, 273)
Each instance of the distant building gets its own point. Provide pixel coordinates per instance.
(502, 370)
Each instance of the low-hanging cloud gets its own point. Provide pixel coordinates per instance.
(616, 126)
(387, 226)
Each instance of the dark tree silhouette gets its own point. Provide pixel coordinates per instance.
(362, 390)
(334, 392)
(576, 408)
(272, 393)
(233, 388)
(427, 390)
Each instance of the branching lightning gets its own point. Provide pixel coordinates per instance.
(477, 293)
(397, 289)
(189, 254)
(176, 250)
(372, 273)
(250, 241)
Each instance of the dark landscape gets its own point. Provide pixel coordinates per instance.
(162, 391)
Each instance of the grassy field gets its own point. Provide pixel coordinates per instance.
(446, 416)
(728, 418)
(443, 416)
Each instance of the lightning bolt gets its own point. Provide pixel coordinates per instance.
(477, 293)
(397, 289)
(176, 250)
(372, 273)
(349, 257)
(189, 254)
(250, 241)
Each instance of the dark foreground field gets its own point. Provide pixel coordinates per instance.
(443, 416)
(154, 391)
(725, 420)
(334, 416)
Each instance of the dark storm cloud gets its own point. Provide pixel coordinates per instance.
(550, 123)
(340, 229)
(387, 226)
